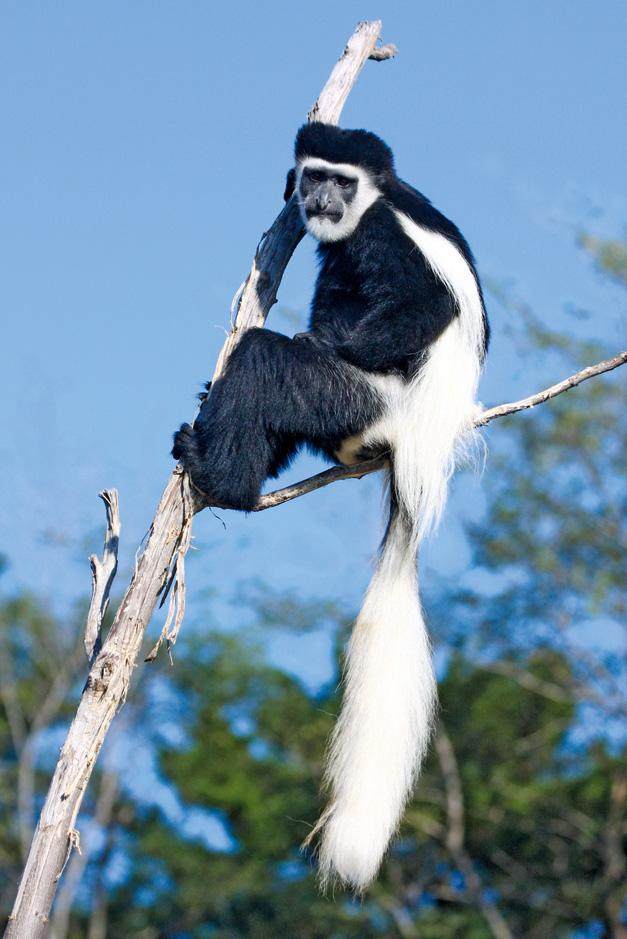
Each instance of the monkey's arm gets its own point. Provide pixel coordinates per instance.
(380, 346)
(405, 306)
(399, 325)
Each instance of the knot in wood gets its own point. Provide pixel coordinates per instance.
(107, 667)
(98, 679)
(96, 685)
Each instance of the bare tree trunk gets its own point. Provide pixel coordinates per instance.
(110, 673)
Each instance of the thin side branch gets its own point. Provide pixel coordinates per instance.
(607, 365)
(372, 466)
(103, 572)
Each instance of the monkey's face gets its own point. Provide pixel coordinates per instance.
(333, 197)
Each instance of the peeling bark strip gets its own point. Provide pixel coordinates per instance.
(110, 673)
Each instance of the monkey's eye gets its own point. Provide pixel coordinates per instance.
(316, 177)
(343, 182)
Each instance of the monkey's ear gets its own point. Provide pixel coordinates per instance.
(290, 185)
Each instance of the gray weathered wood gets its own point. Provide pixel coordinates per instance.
(110, 673)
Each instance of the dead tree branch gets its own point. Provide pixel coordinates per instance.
(110, 673)
(607, 365)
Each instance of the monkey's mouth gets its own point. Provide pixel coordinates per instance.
(324, 216)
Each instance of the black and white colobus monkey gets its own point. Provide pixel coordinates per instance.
(390, 363)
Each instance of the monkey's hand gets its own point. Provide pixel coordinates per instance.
(380, 343)
(188, 451)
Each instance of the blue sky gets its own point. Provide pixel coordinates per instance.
(144, 152)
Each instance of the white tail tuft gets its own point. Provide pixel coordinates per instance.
(383, 730)
(390, 697)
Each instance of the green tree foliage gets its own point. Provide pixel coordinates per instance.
(609, 254)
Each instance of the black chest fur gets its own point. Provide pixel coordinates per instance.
(378, 268)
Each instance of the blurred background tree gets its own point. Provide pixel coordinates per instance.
(517, 826)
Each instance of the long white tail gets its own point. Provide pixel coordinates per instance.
(390, 693)
(383, 730)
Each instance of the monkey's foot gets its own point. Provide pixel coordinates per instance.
(187, 451)
(185, 446)
(218, 486)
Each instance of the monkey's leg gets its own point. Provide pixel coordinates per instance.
(275, 394)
